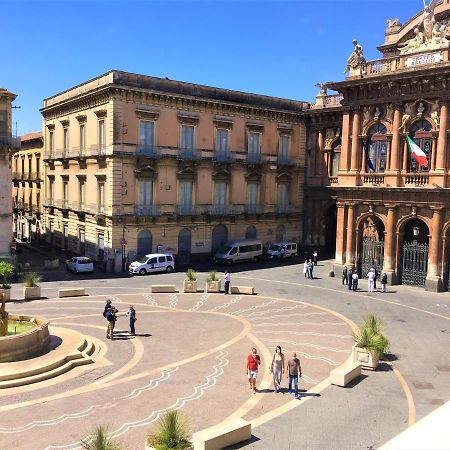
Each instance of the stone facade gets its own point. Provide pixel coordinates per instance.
(137, 164)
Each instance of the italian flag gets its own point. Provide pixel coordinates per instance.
(416, 152)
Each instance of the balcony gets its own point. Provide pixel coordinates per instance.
(49, 202)
(416, 180)
(97, 150)
(256, 158)
(188, 210)
(78, 152)
(224, 210)
(254, 209)
(373, 180)
(224, 156)
(61, 204)
(147, 210)
(286, 209)
(190, 154)
(8, 140)
(148, 151)
(333, 180)
(285, 160)
(328, 101)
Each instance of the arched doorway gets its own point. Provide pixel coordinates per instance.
(250, 232)
(414, 261)
(371, 254)
(144, 243)
(184, 247)
(280, 233)
(330, 230)
(219, 237)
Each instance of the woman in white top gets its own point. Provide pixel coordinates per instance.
(305, 268)
(277, 368)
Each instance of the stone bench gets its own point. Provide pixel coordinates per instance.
(342, 375)
(224, 434)
(248, 290)
(74, 292)
(163, 288)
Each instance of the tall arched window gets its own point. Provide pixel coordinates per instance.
(335, 158)
(420, 132)
(376, 149)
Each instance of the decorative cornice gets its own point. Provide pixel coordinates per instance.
(81, 118)
(101, 113)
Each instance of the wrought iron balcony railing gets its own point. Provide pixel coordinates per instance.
(254, 209)
(224, 156)
(148, 210)
(192, 154)
(223, 210)
(285, 160)
(188, 210)
(283, 209)
(256, 158)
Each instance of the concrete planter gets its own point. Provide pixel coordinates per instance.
(368, 360)
(190, 286)
(51, 264)
(212, 286)
(6, 294)
(32, 293)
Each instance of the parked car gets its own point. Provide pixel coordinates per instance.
(80, 264)
(282, 250)
(236, 251)
(155, 262)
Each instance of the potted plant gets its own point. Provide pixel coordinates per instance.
(6, 272)
(190, 283)
(370, 343)
(171, 432)
(212, 282)
(31, 289)
(99, 440)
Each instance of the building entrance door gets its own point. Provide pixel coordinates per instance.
(184, 247)
(414, 263)
(372, 255)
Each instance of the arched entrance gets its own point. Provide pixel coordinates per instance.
(184, 247)
(280, 233)
(371, 254)
(144, 243)
(250, 232)
(414, 261)
(219, 237)
(330, 230)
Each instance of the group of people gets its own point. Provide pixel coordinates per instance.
(279, 366)
(350, 278)
(111, 313)
(308, 265)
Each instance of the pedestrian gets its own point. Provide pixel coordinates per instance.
(375, 279)
(294, 372)
(349, 278)
(251, 369)
(277, 368)
(132, 316)
(371, 279)
(315, 256)
(111, 318)
(310, 269)
(355, 281)
(107, 306)
(344, 275)
(227, 279)
(383, 282)
(305, 269)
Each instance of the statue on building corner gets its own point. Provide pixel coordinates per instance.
(356, 59)
(409, 112)
(322, 88)
(393, 25)
(435, 113)
(390, 112)
(429, 19)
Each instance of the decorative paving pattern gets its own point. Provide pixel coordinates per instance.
(189, 354)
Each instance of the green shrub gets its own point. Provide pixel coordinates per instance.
(171, 432)
(99, 440)
(191, 275)
(31, 279)
(370, 336)
(212, 276)
(6, 272)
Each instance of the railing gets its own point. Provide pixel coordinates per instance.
(188, 210)
(34, 176)
(78, 206)
(333, 180)
(224, 210)
(49, 202)
(149, 151)
(148, 210)
(256, 158)
(416, 179)
(333, 100)
(254, 209)
(94, 208)
(285, 160)
(190, 154)
(8, 140)
(222, 156)
(382, 66)
(15, 175)
(78, 152)
(373, 179)
(97, 150)
(283, 209)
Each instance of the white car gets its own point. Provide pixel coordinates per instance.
(282, 250)
(155, 262)
(80, 264)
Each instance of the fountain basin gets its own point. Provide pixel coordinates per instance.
(26, 344)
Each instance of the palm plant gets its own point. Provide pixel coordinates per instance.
(6, 272)
(100, 440)
(171, 432)
(191, 275)
(31, 279)
(212, 276)
(370, 336)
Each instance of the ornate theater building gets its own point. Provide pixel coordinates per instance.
(378, 157)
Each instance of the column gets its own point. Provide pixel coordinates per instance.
(433, 281)
(363, 157)
(356, 147)
(441, 154)
(394, 163)
(389, 244)
(350, 247)
(340, 234)
(388, 152)
(319, 160)
(434, 146)
(345, 142)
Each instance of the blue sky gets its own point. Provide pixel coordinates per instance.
(272, 47)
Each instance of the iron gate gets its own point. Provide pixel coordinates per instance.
(372, 255)
(414, 263)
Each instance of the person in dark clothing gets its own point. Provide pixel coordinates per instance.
(132, 316)
(375, 279)
(111, 318)
(349, 279)
(107, 306)
(344, 275)
(384, 279)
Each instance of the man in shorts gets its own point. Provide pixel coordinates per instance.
(251, 369)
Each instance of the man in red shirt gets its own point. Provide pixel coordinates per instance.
(251, 369)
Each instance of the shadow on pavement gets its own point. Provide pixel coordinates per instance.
(242, 444)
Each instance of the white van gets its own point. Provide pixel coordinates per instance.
(155, 262)
(236, 251)
(282, 250)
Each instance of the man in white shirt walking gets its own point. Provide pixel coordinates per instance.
(371, 278)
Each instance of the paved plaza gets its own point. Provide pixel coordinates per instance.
(190, 352)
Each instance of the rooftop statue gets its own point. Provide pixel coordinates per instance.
(428, 19)
(356, 59)
(322, 88)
